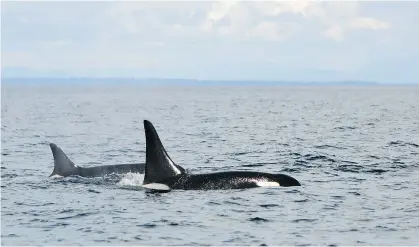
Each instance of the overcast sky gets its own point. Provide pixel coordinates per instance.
(277, 40)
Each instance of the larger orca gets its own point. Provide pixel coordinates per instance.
(162, 174)
(64, 167)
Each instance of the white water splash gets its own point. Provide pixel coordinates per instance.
(131, 180)
(135, 181)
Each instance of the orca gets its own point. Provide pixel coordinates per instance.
(64, 167)
(162, 174)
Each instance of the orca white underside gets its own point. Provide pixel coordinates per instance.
(156, 186)
(267, 184)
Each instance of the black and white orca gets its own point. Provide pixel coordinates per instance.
(162, 174)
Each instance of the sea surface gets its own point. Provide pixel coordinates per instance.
(355, 150)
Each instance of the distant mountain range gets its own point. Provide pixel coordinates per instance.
(22, 75)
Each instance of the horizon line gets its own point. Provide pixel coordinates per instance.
(195, 80)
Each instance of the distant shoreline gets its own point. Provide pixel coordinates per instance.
(188, 82)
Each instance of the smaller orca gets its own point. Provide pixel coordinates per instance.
(163, 175)
(63, 166)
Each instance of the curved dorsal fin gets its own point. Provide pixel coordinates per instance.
(63, 166)
(158, 165)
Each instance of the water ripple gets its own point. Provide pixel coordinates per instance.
(353, 149)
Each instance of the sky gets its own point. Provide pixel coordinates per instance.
(223, 40)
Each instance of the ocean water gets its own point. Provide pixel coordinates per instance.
(355, 150)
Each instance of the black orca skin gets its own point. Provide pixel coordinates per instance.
(160, 169)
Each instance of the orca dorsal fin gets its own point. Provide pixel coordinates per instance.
(63, 166)
(158, 165)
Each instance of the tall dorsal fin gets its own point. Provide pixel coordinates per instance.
(158, 165)
(63, 166)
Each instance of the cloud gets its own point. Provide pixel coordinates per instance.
(207, 39)
(266, 30)
(368, 23)
(335, 32)
(270, 21)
